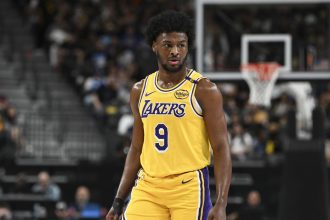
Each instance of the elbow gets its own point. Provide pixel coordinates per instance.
(221, 147)
(216, 148)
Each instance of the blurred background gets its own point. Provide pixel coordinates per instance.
(66, 70)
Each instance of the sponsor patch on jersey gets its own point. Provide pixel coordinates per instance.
(181, 94)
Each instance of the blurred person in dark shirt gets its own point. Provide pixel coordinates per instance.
(253, 209)
(3, 105)
(61, 211)
(21, 185)
(3, 134)
(7, 151)
(10, 133)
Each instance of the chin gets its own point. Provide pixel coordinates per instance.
(171, 69)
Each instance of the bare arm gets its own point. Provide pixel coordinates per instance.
(210, 100)
(132, 164)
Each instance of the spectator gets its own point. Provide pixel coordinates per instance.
(61, 211)
(46, 187)
(253, 209)
(5, 212)
(241, 143)
(21, 185)
(82, 207)
(7, 151)
(261, 143)
(3, 105)
(10, 133)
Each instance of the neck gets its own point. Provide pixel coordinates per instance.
(165, 77)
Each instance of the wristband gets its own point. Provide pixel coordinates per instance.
(118, 205)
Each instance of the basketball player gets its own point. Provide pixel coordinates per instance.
(178, 118)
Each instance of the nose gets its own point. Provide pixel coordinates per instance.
(174, 51)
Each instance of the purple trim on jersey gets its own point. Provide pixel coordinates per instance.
(143, 90)
(207, 197)
(175, 87)
(201, 191)
(191, 100)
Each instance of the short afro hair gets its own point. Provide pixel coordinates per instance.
(167, 22)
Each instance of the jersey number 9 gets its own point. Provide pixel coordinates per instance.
(161, 133)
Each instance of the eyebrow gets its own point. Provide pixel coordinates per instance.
(168, 41)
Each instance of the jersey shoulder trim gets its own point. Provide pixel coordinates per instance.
(195, 77)
(144, 85)
(193, 101)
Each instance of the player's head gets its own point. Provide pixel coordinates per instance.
(170, 34)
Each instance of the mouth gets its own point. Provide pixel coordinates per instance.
(174, 62)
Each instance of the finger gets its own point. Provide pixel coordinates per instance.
(110, 216)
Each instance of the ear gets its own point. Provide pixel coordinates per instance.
(153, 46)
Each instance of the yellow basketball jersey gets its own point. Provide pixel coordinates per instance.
(175, 137)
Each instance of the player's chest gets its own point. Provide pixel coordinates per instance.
(155, 103)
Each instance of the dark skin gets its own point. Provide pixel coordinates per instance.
(171, 50)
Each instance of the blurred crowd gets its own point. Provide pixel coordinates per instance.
(98, 46)
(258, 132)
(11, 139)
(226, 25)
(51, 203)
(255, 132)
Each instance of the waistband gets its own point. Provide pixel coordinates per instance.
(171, 180)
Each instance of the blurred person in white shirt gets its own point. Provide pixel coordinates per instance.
(241, 143)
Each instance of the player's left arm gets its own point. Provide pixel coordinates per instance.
(210, 99)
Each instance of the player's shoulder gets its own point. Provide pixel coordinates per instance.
(207, 90)
(137, 87)
(205, 84)
(140, 84)
(136, 92)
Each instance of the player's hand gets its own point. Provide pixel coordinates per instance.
(116, 210)
(111, 215)
(217, 213)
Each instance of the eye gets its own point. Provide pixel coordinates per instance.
(182, 45)
(167, 45)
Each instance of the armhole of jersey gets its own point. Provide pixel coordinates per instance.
(193, 101)
(144, 85)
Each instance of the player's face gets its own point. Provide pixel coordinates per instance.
(171, 50)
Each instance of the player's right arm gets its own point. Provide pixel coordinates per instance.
(132, 164)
